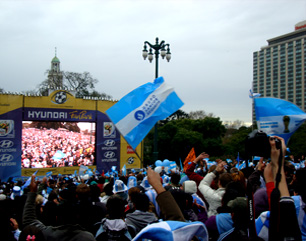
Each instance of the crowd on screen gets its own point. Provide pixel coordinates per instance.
(56, 148)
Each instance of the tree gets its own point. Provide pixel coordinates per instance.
(82, 83)
(1, 90)
(297, 144)
(178, 136)
(234, 124)
(234, 141)
(199, 114)
(179, 114)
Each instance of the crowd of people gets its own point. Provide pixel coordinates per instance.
(56, 148)
(265, 202)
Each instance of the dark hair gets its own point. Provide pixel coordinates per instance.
(180, 197)
(232, 190)
(175, 178)
(139, 177)
(115, 207)
(140, 201)
(95, 192)
(31, 230)
(300, 184)
(83, 191)
(108, 189)
(225, 178)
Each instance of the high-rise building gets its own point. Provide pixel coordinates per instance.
(279, 69)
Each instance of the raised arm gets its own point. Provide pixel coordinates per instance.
(168, 206)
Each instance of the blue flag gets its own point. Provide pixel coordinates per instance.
(137, 112)
(82, 170)
(253, 95)
(49, 174)
(278, 117)
(181, 165)
(28, 182)
(124, 170)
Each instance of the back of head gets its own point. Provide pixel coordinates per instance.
(108, 189)
(180, 197)
(225, 178)
(190, 187)
(31, 231)
(95, 192)
(175, 178)
(232, 191)
(115, 207)
(133, 190)
(240, 212)
(300, 183)
(139, 177)
(140, 200)
(83, 191)
(238, 176)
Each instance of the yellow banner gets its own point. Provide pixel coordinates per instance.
(10, 102)
(55, 171)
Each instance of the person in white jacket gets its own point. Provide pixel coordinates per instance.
(212, 196)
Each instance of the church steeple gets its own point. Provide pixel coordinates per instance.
(55, 76)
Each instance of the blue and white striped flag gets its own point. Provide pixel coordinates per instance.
(124, 170)
(28, 182)
(253, 95)
(137, 112)
(82, 170)
(278, 117)
(49, 174)
(173, 230)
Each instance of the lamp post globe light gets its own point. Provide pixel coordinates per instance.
(156, 49)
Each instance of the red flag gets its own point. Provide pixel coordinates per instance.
(191, 156)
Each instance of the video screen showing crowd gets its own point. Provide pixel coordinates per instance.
(46, 148)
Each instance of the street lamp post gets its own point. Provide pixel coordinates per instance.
(164, 50)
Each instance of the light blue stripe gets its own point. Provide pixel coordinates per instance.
(132, 100)
(166, 108)
(275, 107)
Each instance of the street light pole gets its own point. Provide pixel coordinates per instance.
(159, 48)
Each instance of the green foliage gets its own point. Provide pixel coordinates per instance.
(178, 136)
(297, 143)
(234, 141)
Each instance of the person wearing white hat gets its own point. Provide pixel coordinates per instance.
(16, 192)
(120, 189)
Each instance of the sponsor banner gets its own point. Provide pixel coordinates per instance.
(46, 114)
(62, 99)
(108, 144)
(55, 171)
(10, 144)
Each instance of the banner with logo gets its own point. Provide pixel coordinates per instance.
(47, 114)
(10, 137)
(108, 144)
(60, 108)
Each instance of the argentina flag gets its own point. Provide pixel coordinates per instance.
(278, 117)
(137, 112)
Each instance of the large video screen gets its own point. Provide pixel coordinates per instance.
(58, 144)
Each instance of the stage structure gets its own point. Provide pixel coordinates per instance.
(18, 112)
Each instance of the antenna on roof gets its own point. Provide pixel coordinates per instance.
(55, 51)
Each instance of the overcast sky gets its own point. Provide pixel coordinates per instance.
(212, 44)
